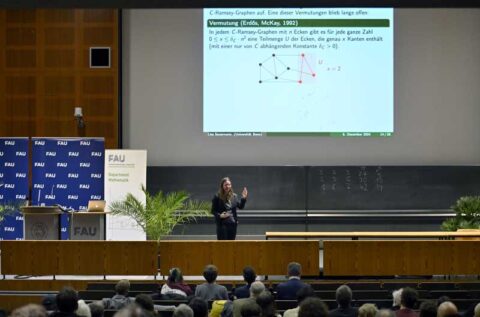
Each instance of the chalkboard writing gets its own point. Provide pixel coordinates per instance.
(327, 187)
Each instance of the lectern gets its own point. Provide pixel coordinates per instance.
(41, 223)
(87, 225)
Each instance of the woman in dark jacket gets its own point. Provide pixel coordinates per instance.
(224, 208)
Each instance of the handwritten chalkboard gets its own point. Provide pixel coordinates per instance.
(327, 187)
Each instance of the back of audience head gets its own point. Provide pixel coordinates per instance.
(313, 307)
(385, 313)
(408, 298)
(50, 302)
(130, 311)
(476, 310)
(428, 308)
(175, 275)
(145, 302)
(266, 301)
(122, 287)
(397, 297)
(251, 309)
(294, 269)
(67, 300)
(199, 307)
(83, 310)
(183, 310)
(30, 310)
(96, 309)
(210, 273)
(447, 309)
(256, 289)
(367, 310)
(305, 292)
(343, 295)
(442, 299)
(249, 274)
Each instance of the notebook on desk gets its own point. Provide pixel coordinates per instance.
(96, 206)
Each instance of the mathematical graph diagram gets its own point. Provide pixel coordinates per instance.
(285, 69)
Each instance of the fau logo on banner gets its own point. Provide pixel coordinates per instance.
(61, 173)
(13, 183)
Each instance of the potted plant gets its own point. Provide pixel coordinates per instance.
(161, 212)
(9, 208)
(467, 210)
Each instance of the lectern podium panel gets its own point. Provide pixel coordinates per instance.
(87, 226)
(41, 223)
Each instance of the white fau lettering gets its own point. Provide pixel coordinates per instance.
(84, 164)
(62, 143)
(38, 186)
(72, 197)
(73, 153)
(49, 196)
(9, 186)
(96, 154)
(10, 164)
(20, 196)
(50, 175)
(11, 229)
(84, 186)
(72, 175)
(21, 175)
(51, 154)
(1, 196)
(93, 175)
(39, 164)
(84, 142)
(1, 153)
(95, 197)
(62, 164)
(39, 143)
(9, 142)
(20, 153)
(62, 186)
(19, 218)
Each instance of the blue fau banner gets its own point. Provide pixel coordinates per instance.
(67, 172)
(13, 183)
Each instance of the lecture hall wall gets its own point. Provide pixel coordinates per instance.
(45, 74)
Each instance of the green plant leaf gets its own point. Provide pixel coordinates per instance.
(161, 212)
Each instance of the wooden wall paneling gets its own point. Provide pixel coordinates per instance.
(247, 253)
(91, 257)
(52, 47)
(191, 259)
(11, 302)
(277, 255)
(44, 257)
(28, 257)
(465, 255)
(131, 258)
(3, 18)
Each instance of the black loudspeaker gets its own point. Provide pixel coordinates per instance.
(100, 57)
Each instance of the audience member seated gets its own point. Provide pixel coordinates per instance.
(67, 303)
(313, 307)
(443, 299)
(175, 288)
(385, 313)
(199, 307)
(83, 310)
(289, 289)
(408, 299)
(50, 302)
(96, 309)
(343, 295)
(120, 299)
(30, 310)
(251, 310)
(145, 302)
(210, 290)
(447, 309)
(218, 307)
(249, 276)
(367, 310)
(183, 310)
(266, 301)
(428, 308)
(397, 298)
(255, 289)
(130, 311)
(476, 311)
(303, 293)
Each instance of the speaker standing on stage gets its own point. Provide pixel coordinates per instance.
(224, 208)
